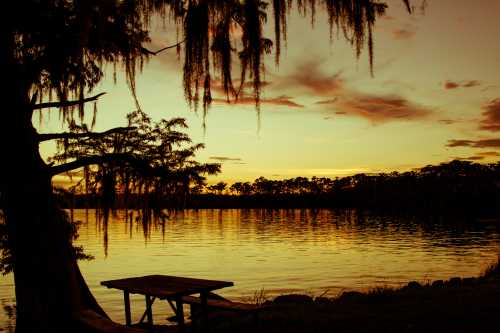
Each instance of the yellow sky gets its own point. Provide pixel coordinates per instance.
(435, 97)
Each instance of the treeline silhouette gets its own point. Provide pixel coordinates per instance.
(456, 187)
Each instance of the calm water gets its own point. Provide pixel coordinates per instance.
(281, 251)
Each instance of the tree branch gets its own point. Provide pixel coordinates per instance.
(145, 50)
(56, 136)
(67, 103)
(99, 159)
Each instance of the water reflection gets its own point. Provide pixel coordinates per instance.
(279, 251)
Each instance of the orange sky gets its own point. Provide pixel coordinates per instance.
(435, 97)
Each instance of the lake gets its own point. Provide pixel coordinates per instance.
(272, 252)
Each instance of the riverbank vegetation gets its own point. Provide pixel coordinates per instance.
(456, 187)
(456, 305)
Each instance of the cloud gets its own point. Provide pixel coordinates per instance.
(480, 156)
(222, 159)
(489, 154)
(216, 86)
(482, 143)
(470, 158)
(450, 85)
(471, 84)
(380, 109)
(491, 114)
(327, 101)
(247, 100)
(447, 121)
(310, 77)
(401, 34)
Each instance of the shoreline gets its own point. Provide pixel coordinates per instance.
(454, 305)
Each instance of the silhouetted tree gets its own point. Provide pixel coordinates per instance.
(217, 188)
(160, 166)
(457, 187)
(52, 54)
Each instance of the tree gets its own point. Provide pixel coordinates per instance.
(153, 161)
(217, 188)
(52, 54)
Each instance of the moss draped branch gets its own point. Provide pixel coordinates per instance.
(123, 158)
(66, 104)
(68, 135)
(147, 51)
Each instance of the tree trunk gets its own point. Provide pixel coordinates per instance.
(49, 287)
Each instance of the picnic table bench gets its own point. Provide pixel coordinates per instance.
(223, 304)
(216, 302)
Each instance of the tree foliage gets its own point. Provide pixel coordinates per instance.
(449, 188)
(154, 160)
(60, 48)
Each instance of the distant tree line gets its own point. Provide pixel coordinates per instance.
(455, 187)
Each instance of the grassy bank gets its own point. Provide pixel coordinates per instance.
(455, 305)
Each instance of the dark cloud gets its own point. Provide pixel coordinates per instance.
(450, 85)
(482, 143)
(246, 100)
(491, 116)
(380, 109)
(459, 143)
(401, 34)
(225, 159)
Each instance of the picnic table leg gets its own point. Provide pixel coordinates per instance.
(180, 314)
(149, 311)
(204, 311)
(126, 299)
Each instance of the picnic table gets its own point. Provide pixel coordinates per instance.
(165, 287)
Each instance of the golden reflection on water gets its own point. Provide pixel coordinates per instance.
(278, 251)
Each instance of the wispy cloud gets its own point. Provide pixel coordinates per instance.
(327, 101)
(491, 116)
(480, 156)
(482, 143)
(380, 109)
(448, 121)
(309, 77)
(470, 158)
(489, 154)
(401, 34)
(225, 159)
(217, 87)
(277, 101)
(450, 85)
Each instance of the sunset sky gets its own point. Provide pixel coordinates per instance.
(435, 97)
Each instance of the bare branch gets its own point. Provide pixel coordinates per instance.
(67, 103)
(56, 136)
(99, 159)
(145, 50)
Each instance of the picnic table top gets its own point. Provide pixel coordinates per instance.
(165, 286)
